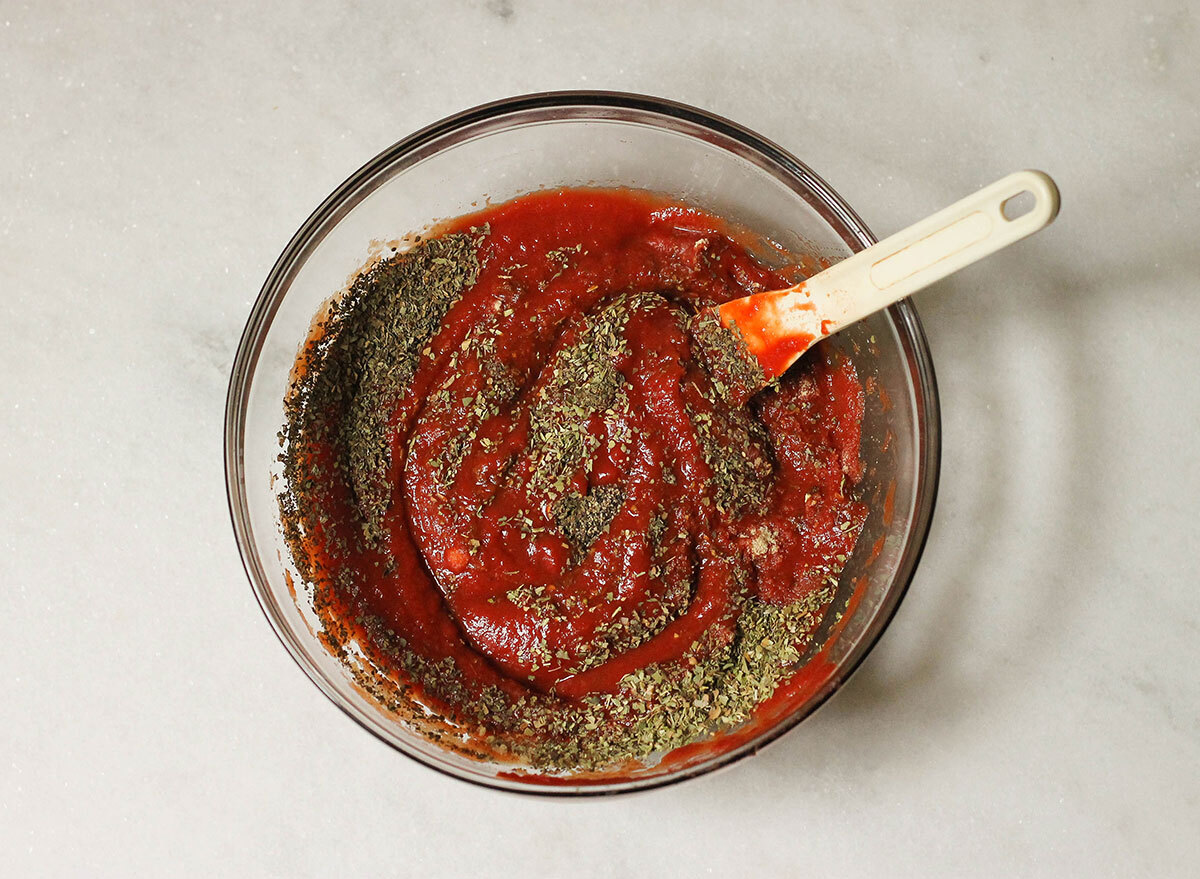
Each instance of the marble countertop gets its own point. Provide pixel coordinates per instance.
(1034, 709)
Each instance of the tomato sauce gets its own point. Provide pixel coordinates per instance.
(577, 492)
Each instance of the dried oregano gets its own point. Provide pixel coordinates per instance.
(356, 372)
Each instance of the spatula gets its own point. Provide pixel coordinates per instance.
(780, 325)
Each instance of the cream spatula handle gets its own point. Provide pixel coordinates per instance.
(932, 248)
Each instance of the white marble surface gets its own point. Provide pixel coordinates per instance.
(1033, 710)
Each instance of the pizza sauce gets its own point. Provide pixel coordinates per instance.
(528, 492)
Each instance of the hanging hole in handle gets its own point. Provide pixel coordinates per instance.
(1017, 206)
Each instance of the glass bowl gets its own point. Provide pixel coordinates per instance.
(499, 151)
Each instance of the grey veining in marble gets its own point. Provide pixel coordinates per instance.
(1033, 710)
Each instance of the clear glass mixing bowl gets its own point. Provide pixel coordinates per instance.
(505, 149)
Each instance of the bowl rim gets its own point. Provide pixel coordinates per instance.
(853, 231)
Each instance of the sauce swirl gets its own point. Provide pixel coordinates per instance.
(523, 473)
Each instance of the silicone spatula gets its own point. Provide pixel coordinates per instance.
(780, 325)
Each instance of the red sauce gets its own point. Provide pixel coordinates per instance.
(461, 550)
